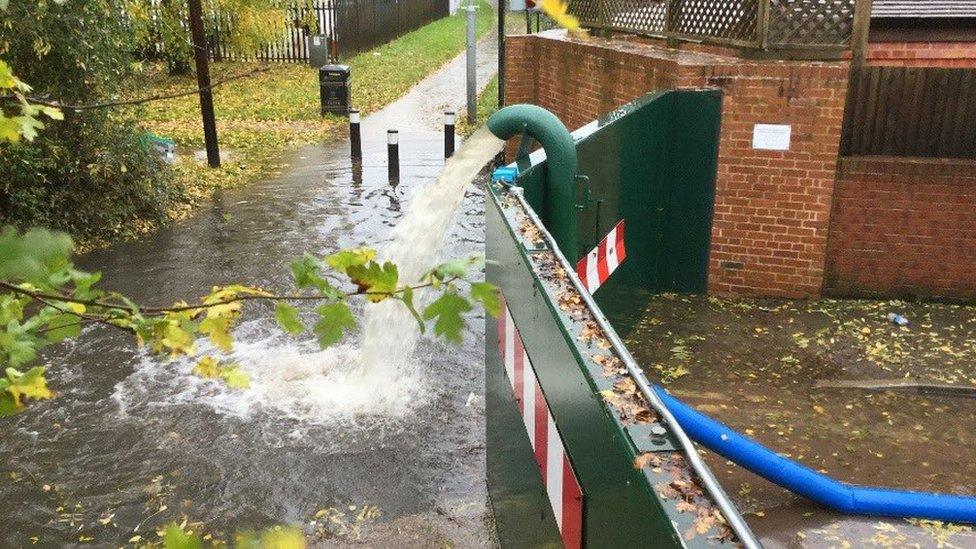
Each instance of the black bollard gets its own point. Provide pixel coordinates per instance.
(393, 155)
(355, 139)
(449, 119)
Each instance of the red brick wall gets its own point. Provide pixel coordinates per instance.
(922, 54)
(903, 226)
(769, 233)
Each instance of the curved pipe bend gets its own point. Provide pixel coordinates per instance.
(560, 195)
(846, 498)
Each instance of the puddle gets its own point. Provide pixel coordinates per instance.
(755, 365)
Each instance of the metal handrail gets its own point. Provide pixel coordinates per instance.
(736, 522)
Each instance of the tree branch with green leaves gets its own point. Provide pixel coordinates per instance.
(44, 299)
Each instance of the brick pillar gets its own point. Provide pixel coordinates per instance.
(772, 208)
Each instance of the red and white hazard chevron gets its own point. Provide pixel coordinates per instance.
(565, 494)
(597, 266)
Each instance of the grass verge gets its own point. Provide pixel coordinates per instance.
(262, 116)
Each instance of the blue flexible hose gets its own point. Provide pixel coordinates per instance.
(846, 498)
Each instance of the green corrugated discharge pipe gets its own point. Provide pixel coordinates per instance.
(560, 201)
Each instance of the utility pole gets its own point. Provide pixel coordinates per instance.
(859, 33)
(203, 83)
(502, 4)
(472, 64)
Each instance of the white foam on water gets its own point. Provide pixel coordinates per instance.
(295, 379)
(389, 334)
(381, 377)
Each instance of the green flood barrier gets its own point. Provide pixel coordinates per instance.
(576, 454)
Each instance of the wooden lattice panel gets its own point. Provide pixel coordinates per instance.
(644, 16)
(588, 11)
(810, 22)
(727, 19)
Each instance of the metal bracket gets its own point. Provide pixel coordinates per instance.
(585, 179)
(651, 437)
(525, 146)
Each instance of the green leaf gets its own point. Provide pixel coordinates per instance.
(175, 538)
(29, 126)
(32, 256)
(84, 282)
(53, 113)
(11, 309)
(288, 319)
(407, 297)
(307, 272)
(487, 294)
(376, 281)
(334, 319)
(343, 259)
(8, 406)
(447, 309)
(458, 268)
(19, 347)
(272, 538)
(62, 327)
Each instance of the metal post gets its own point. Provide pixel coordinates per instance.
(449, 119)
(355, 139)
(502, 5)
(393, 155)
(203, 83)
(472, 75)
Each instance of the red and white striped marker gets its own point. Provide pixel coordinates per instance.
(597, 266)
(565, 494)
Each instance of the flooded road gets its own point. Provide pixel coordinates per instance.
(133, 442)
(760, 366)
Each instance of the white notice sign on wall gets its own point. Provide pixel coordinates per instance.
(771, 137)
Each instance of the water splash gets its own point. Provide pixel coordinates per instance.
(389, 334)
(380, 377)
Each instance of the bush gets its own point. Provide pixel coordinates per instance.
(90, 174)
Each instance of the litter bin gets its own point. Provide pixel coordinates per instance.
(334, 88)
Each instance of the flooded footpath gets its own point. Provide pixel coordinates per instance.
(132, 441)
(836, 386)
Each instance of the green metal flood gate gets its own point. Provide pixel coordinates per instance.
(577, 454)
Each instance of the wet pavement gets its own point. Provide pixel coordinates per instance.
(780, 371)
(132, 441)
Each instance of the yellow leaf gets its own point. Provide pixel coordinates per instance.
(234, 377)
(207, 367)
(558, 11)
(28, 385)
(219, 331)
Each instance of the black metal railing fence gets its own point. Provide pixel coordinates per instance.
(349, 26)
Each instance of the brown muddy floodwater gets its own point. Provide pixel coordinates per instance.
(761, 367)
(132, 441)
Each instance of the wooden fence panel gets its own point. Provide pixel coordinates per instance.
(911, 111)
